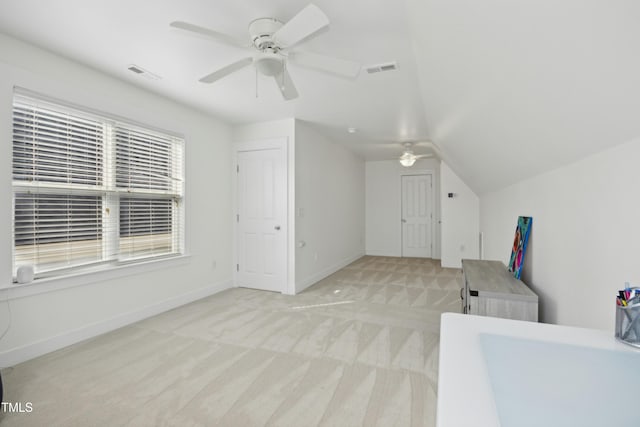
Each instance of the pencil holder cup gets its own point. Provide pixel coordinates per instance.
(628, 324)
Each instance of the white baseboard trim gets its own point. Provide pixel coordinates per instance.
(449, 264)
(21, 354)
(373, 252)
(301, 285)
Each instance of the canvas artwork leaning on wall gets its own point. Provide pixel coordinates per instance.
(520, 245)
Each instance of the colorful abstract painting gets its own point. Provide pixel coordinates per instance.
(520, 245)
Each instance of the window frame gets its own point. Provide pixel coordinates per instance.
(110, 193)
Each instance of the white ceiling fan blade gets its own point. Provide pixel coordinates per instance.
(225, 71)
(328, 64)
(306, 24)
(221, 37)
(286, 86)
(424, 156)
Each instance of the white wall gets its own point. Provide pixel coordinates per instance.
(330, 200)
(44, 316)
(584, 241)
(284, 128)
(460, 219)
(384, 205)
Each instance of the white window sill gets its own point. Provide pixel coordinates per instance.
(80, 278)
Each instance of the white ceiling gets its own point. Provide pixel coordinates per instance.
(515, 88)
(505, 89)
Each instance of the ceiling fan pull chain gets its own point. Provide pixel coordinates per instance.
(284, 70)
(256, 82)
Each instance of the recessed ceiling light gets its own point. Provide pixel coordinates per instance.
(351, 130)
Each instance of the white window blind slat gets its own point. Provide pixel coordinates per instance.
(89, 189)
(146, 226)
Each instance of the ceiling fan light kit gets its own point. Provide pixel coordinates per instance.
(269, 64)
(273, 41)
(407, 159)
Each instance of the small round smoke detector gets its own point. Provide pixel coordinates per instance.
(261, 32)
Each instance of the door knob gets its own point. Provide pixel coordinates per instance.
(404, 220)
(277, 227)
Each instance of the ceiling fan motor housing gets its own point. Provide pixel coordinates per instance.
(261, 32)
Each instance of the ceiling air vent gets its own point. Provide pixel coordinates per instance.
(389, 66)
(135, 69)
(142, 72)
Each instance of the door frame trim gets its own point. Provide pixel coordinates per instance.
(258, 145)
(416, 172)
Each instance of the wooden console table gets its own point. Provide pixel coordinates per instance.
(491, 290)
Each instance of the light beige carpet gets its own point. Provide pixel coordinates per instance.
(358, 348)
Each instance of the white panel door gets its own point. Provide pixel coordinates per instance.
(261, 220)
(417, 214)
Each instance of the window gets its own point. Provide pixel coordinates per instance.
(89, 189)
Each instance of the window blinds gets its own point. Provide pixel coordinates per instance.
(89, 189)
(56, 147)
(146, 226)
(149, 170)
(52, 230)
(146, 161)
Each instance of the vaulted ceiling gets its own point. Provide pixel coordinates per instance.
(505, 89)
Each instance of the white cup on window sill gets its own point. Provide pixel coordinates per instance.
(25, 274)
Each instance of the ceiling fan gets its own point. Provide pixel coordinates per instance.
(271, 43)
(407, 159)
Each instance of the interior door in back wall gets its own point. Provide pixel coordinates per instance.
(417, 216)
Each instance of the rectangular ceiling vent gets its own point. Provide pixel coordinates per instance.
(389, 66)
(135, 69)
(142, 72)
